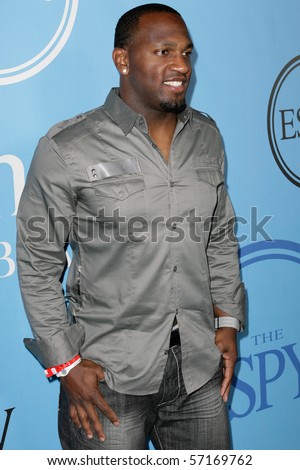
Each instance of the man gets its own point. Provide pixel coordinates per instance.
(136, 188)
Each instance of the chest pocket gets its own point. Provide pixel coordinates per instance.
(207, 170)
(209, 178)
(119, 184)
(211, 175)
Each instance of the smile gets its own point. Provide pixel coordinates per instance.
(175, 84)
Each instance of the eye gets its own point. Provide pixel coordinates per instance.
(187, 53)
(162, 52)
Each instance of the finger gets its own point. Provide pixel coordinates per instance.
(104, 407)
(225, 388)
(84, 421)
(227, 379)
(225, 384)
(74, 415)
(95, 422)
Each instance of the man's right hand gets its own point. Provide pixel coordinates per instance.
(82, 387)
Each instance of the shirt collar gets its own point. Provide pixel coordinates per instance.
(126, 118)
(119, 112)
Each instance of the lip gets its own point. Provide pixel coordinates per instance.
(176, 84)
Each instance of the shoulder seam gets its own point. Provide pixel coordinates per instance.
(62, 125)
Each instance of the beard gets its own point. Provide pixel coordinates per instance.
(173, 106)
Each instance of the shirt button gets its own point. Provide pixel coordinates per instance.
(172, 184)
(174, 226)
(175, 269)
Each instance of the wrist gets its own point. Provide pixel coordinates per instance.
(227, 322)
(67, 369)
(63, 369)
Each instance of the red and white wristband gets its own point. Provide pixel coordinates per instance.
(63, 369)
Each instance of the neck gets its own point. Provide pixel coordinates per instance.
(166, 122)
(161, 124)
(153, 117)
(162, 131)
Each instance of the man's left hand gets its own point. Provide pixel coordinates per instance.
(226, 342)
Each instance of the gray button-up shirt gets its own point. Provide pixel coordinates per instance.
(151, 240)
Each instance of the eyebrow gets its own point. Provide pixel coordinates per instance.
(190, 45)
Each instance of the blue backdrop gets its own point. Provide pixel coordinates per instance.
(55, 62)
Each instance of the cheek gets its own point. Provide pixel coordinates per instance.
(148, 83)
(149, 71)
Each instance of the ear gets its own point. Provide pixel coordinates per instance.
(120, 58)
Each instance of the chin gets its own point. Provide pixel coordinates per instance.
(173, 106)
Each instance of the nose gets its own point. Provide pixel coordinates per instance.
(181, 63)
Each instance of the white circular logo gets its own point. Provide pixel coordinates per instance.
(43, 58)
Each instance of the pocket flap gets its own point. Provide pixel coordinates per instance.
(211, 175)
(113, 168)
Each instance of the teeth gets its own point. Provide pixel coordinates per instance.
(174, 84)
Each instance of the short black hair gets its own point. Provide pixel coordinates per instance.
(128, 23)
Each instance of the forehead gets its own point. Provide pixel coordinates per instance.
(162, 27)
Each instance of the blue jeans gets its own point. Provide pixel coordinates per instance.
(170, 418)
